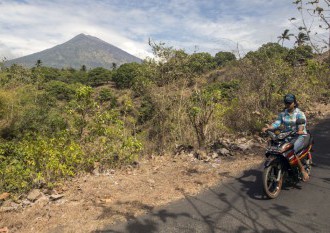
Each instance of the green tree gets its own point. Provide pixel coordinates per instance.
(301, 39)
(106, 95)
(39, 63)
(315, 9)
(126, 74)
(201, 62)
(109, 142)
(81, 106)
(267, 51)
(60, 90)
(221, 58)
(200, 110)
(284, 36)
(83, 68)
(114, 65)
(300, 54)
(98, 76)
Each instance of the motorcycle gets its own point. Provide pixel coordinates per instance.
(281, 165)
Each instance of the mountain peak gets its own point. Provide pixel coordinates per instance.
(80, 50)
(82, 36)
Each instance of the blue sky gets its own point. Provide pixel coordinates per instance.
(210, 26)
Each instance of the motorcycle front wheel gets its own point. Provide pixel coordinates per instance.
(272, 180)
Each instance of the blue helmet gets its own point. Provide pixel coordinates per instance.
(290, 98)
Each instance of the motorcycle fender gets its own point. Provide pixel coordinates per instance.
(268, 161)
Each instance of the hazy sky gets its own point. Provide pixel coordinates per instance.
(29, 26)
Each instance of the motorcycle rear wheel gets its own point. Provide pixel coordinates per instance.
(271, 186)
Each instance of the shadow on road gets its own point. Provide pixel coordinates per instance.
(138, 225)
(242, 203)
(251, 181)
(321, 134)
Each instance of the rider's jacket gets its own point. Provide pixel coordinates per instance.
(288, 120)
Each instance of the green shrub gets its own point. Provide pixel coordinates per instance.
(98, 76)
(201, 62)
(106, 95)
(37, 161)
(227, 89)
(221, 58)
(60, 90)
(267, 51)
(126, 74)
(109, 143)
(299, 55)
(146, 111)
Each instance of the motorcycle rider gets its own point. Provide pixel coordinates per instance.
(288, 119)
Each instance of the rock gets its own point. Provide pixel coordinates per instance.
(216, 145)
(47, 191)
(151, 181)
(257, 144)
(34, 195)
(224, 143)
(256, 113)
(183, 149)
(4, 196)
(4, 230)
(224, 151)
(42, 201)
(96, 172)
(106, 200)
(112, 171)
(260, 140)
(55, 197)
(7, 209)
(26, 203)
(9, 206)
(7, 203)
(136, 164)
(109, 172)
(201, 155)
(214, 155)
(191, 155)
(234, 147)
(207, 159)
(246, 146)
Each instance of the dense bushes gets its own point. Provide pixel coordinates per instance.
(125, 75)
(222, 58)
(55, 123)
(37, 161)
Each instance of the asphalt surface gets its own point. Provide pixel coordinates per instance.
(240, 205)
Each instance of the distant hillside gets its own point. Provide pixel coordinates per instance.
(80, 50)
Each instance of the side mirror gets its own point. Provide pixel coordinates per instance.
(300, 121)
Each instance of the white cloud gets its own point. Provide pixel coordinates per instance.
(35, 25)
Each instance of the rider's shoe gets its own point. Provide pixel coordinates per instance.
(305, 176)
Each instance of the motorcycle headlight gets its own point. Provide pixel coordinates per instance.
(283, 135)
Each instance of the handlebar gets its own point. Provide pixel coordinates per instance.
(281, 135)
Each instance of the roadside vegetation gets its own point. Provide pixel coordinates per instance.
(57, 123)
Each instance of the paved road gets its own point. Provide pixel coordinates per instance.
(239, 205)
